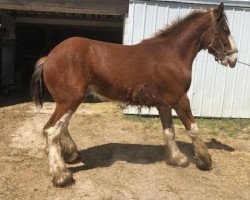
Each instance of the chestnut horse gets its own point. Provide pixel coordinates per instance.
(155, 72)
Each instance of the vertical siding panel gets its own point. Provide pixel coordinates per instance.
(235, 96)
(143, 20)
(218, 85)
(213, 91)
(179, 10)
(198, 82)
(246, 45)
(167, 14)
(246, 104)
(155, 17)
(216, 91)
(227, 87)
(131, 21)
(150, 21)
(223, 94)
(192, 91)
(244, 87)
(203, 83)
(139, 18)
(160, 17)
(208, 85)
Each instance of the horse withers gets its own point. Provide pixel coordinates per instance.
(155, 72)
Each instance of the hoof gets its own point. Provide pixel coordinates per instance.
(204, 162)
(178, 161)
(63, 179)
(203, 157)
(71, 158)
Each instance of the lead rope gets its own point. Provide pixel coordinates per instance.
(243, 63)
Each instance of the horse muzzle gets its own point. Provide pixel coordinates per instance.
(230, 58)
(232, 64)
(226, 61)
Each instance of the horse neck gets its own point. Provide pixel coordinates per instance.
(189, 41)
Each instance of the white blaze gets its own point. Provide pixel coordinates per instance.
(233, 56)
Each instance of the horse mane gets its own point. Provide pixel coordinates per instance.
(176, 25)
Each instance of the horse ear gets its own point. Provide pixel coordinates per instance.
(220, 10)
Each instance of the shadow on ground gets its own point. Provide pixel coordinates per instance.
(107, 154)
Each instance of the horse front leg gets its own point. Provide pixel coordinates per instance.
(203, 157)
(173, 155)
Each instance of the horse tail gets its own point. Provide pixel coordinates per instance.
(37, 83)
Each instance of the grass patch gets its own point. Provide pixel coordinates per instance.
(151, 123)
(230, 127)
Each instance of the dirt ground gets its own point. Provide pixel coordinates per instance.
(121, 159)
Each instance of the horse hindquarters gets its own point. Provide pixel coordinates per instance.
(61, 146)
(68, 91)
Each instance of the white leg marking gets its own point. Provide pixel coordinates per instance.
(169, 134)
(56, 161)
(170, 142)
(201, 152)
(67, 141)
(233, 56)
(194, 130)
(68, 147)
(169, 137)
(173, 153)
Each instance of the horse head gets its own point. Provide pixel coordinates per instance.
(221, 43)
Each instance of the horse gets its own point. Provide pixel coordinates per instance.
(155, 72)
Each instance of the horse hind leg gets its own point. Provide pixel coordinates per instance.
(68, 148)
(54, 129)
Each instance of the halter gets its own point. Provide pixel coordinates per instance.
(220, 55)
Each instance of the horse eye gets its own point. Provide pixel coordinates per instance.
(226, 30)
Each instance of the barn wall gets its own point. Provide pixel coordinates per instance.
(7, 49)
(216, 91)
(96, 16)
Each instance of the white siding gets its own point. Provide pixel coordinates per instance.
(216, 91)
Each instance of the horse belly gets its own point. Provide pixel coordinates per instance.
(137, 95)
